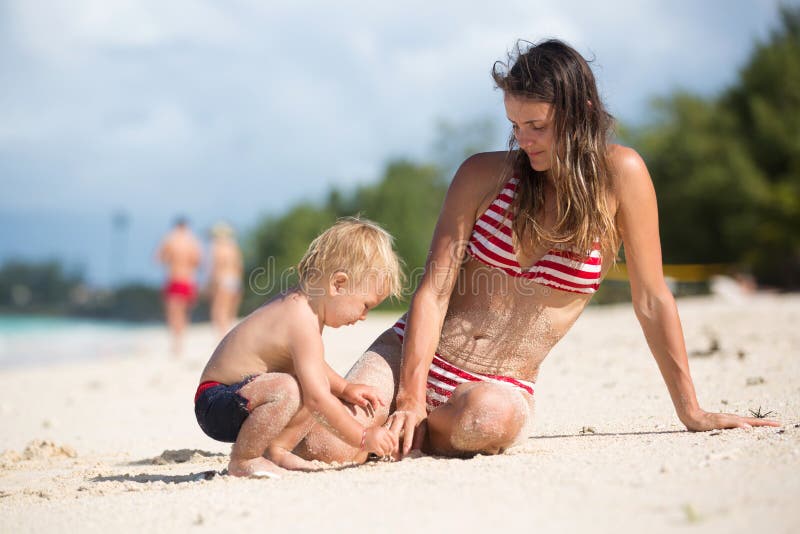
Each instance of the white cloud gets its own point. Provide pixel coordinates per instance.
(67, 31)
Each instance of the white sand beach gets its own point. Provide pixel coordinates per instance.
(111, 445)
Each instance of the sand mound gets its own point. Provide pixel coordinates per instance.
(9, 457)
(37, 449)
(181, 456)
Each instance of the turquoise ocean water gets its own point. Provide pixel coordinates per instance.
(36, 340)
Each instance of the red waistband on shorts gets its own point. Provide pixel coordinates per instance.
(204, 386)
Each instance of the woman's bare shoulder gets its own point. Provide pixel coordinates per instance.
(483, 173)
(485, 162)
(633, 187)
(626, 163)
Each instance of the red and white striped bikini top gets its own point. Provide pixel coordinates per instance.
(491, 243)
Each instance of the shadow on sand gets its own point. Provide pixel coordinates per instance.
(179, 456)
(592, 434)
(168, 479)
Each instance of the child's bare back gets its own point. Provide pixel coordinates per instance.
(261, 342)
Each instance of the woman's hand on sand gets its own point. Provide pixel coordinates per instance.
(362, 395)
(703, 420)
(380, 441)
(407, 427)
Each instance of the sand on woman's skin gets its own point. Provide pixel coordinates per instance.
(111, 445)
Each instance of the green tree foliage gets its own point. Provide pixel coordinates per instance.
(727, 169)
(130, 302)
(48, 288)
(406, 202)
(766, 105)
(766, 101)
(705, 182)
(32, 286)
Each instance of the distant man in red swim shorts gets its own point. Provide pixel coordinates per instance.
(181, 253)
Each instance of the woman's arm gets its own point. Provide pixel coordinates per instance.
(637, 220)
(476, 177)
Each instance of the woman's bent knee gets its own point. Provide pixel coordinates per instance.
(489, 418)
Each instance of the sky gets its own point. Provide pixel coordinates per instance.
(237, 110)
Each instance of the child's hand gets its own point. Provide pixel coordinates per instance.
(380, 441)
(362, 395)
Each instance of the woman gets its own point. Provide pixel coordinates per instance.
(522, 242)
(225, 278)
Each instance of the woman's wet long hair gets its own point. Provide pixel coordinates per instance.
(553, 72)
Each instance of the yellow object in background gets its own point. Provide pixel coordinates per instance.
(680, 272)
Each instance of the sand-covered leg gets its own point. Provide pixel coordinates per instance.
(377, 367)
(280, 450)
(176, 311)
(479, 417)
(273, 400)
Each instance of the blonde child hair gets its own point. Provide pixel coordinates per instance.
(357, 247)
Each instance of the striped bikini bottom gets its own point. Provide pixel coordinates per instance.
(443, 377)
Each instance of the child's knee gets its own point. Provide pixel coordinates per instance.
(287, 392)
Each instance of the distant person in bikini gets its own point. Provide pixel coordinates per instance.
(181, 253)
(225, 280)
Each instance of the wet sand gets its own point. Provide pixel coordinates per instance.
(111, 444)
